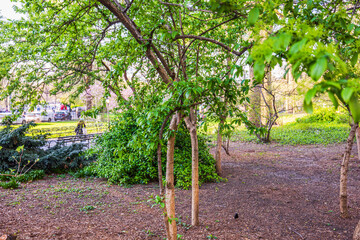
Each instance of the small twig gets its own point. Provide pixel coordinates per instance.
(295, 232)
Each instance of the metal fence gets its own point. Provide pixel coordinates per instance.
(55, 132)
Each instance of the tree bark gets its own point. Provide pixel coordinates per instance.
(344, 211)
(356, 235)
(218, 149)
(358, 141)
(191, 125)
(255, 101)
(170, 186)
(88, 95)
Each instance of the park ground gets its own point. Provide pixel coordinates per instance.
(278, 191)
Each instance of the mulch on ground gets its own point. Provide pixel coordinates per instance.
(279, 192)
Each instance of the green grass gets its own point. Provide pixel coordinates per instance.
(292, 133)
(63, 128)
(311, 133)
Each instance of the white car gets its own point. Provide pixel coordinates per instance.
(39, 117)
(19, 120)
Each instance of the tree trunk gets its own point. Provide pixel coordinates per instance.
(255, 101)
(344, 211)
(161, 185)
(170, 186)
(358, 141)
(218, 149)
(356, 235)
(191, 125)
(88, 95)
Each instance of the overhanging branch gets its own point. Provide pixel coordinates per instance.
(226, 47)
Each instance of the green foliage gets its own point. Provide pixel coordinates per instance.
(15, 146)
(31, 176)
(127, 153)
(311, 133)
(211, 237)
(8, 180)
(12, 184)
(301, 133)
(323, 43)
(253, 16)
(325, 115)
(87, 208)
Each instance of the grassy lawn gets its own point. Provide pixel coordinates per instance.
(71, 123)
(64, 128)
(290, 132)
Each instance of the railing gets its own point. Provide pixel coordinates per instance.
(83, 138)
(54, 132)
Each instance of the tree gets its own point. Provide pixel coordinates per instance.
(319, 38)
(71, 44)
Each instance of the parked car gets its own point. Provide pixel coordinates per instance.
(62, 115)
(39, 117)
(19, 120)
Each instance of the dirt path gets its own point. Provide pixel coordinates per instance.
(279, 192)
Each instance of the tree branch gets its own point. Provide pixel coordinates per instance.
(135, 32)
(215, 42)
(188, 8)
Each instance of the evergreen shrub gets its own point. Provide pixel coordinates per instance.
(56, 158)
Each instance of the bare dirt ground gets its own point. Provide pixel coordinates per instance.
(279, 192)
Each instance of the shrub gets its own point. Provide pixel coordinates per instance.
(325, 115)
(10, 181)
(126, 154)
(12, 184)
(58, 157)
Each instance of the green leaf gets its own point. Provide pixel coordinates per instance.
(309, 95)
(354, 59)
(173, 34)
(333, 99)
(308, 107)
(284, 40)
(346, 94)
(297, 46)
(318, 68)
(332, 84)
(20, 148)
(259, 70)
(253, 16)
(354, 106)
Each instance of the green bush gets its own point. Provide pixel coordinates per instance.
(12, 184)
(325, 115)
(31, 176)
(127, 153)
(58, 157)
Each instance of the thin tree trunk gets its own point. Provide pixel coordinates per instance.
(255, 102)
(161, 185)
(170, 186)
(220, 127)
(88, 95)
(218, 149)
(358, 141)
(344, 211)
(191, 125)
